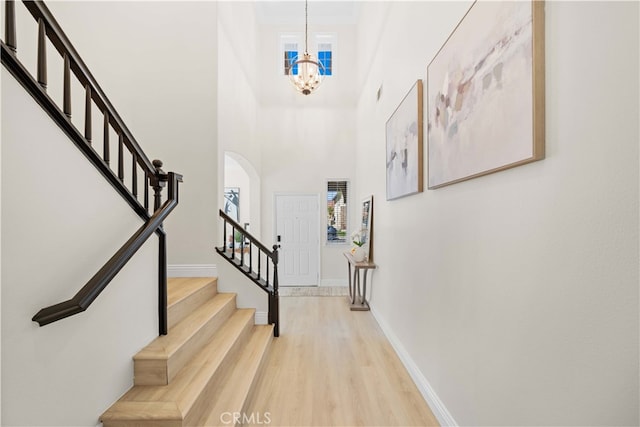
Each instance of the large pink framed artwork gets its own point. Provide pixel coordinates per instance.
(485, 93)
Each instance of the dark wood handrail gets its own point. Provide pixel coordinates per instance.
(261, 279)
(152, 174)
(33, 87)
(47, 25)
(248, 235)
(89, 292)
(62, 44)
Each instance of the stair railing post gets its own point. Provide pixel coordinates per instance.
(158, 181)
(274, 298)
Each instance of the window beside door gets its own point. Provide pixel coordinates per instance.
(337, 212)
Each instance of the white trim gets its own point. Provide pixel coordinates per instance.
(334, 282)
(192, 270)
(437, 406)
(261, 318)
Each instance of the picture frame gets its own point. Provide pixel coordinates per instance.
(404, 146)
(366, 226)
(232, 202)
(486, 93)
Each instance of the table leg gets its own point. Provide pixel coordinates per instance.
(356, 278)
(350, 291)
(364, 293)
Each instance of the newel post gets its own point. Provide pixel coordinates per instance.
(159, 180)
(274, 298)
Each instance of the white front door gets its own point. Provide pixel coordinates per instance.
(298, 232)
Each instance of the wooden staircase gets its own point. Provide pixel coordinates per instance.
(204, 367)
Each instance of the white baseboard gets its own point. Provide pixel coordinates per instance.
(261, 318)
(437, 407)
(333, 282)
(192, 270)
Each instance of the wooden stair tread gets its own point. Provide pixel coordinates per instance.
(235, 388)
(130, 411)
(179, 288)
(186, 294)
(162, 359)
(209, 361)
(165, 346)
(187, 386)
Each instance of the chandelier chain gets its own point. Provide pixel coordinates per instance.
(306, 72)
(306, 26)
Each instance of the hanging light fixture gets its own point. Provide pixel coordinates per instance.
(310, 71)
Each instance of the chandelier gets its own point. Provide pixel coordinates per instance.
(309, 70)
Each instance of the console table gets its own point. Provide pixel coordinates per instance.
(357, 298)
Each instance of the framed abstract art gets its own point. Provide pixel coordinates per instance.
(485, 93)
(404, 146)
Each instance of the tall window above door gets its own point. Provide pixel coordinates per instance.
(337, 212)
(290, 56)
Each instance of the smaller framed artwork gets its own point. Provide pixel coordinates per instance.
(232, 202)
(404, 146)
(366, 225)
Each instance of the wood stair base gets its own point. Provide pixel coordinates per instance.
(232, 397)
(216, 378)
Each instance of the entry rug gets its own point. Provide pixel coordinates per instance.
(313, 291)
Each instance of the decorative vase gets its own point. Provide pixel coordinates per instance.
(358, 253)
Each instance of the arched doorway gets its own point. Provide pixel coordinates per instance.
(242, 192)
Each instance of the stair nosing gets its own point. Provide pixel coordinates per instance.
(184, 402)
(202, 283)
(220, 301)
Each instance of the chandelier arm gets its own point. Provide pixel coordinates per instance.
(310, 70)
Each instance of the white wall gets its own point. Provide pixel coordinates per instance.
(307, 140)
(238, 105)
(157, 62)
(514, 296)
(61, 221)
(237, 135)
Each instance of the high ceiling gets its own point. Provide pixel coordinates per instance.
(322, 12)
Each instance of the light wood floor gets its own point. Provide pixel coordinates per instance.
(334, 367)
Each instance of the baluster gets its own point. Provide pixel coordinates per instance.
(250, 257)
(267, 269)
(224, 236)
(146, 191)
(10, 25)
(259, 259)
(241, 248)
(134, 175)
(233, 241)
(87, 114)
(105, 153)
(66, 101)
(42, 54)
(121, 157)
